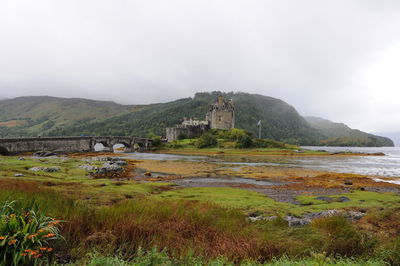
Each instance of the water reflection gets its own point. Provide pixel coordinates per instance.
(383, 166)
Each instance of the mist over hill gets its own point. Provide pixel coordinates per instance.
(394, 136)
(339, 134)
(51, 116)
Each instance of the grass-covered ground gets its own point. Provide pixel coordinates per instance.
(228, 147)
(120, 221)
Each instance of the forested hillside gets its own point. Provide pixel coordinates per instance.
(339, 134)
(50, 116)
(280, 120)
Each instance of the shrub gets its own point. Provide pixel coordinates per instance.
(341, 237)
(25, 234)
(390, 252)
(175, 145)
(182, 136)
(206, 140)
(268, 143)
(235, 134)
(244, 141)
(156, 140)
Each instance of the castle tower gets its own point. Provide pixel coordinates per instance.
(221, 114)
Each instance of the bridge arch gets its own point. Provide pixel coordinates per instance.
(3, 151)
(122, 146)
(101, 146)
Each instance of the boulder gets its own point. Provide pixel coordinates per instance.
(323, 214)
(343, 199)
(295, 221)
(52, 169)
(354, 215)
(19, 175)
(109, 168)
(348, 182)
(115, 159)
(120, 163)
(102, 159)
(35, 169)
(324, 198)
(88, 167)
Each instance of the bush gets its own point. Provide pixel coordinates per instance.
(182, 136)
(268, 143)
(156, 140)
(206, 140)
(235, 134)
(25, 234)
(175, 145)
(244, 141)
(341, 237)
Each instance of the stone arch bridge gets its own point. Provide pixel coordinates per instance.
(71, 144)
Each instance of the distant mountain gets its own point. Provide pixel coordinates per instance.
(50, 116)
(339, 134)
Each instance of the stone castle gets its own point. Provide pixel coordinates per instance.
(221, 115)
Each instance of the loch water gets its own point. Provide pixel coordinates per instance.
(384, 166)
(379, 166)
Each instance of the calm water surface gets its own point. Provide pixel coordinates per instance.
(380, 166)
(386, 166)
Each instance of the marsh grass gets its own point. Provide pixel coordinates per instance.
(205, 223)
(180, 228)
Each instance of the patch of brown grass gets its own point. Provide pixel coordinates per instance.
(12, 123)
(9, 184)
(178, 168)
(382, 222)
(335, 180)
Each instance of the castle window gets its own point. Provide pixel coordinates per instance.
(220, 118)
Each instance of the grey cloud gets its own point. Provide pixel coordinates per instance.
(304, 52)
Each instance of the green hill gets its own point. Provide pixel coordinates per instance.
(50, 116)
(339, 134)
(280, 120)
(37, 115)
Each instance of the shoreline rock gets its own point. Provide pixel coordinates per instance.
(306, 219)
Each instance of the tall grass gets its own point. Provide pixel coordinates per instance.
(188, 227)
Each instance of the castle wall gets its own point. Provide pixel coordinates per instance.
(222, 119)
(172, 133)
(221, 115)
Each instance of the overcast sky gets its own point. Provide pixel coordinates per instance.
(335, 59)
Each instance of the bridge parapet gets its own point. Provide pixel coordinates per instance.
(70, 144)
